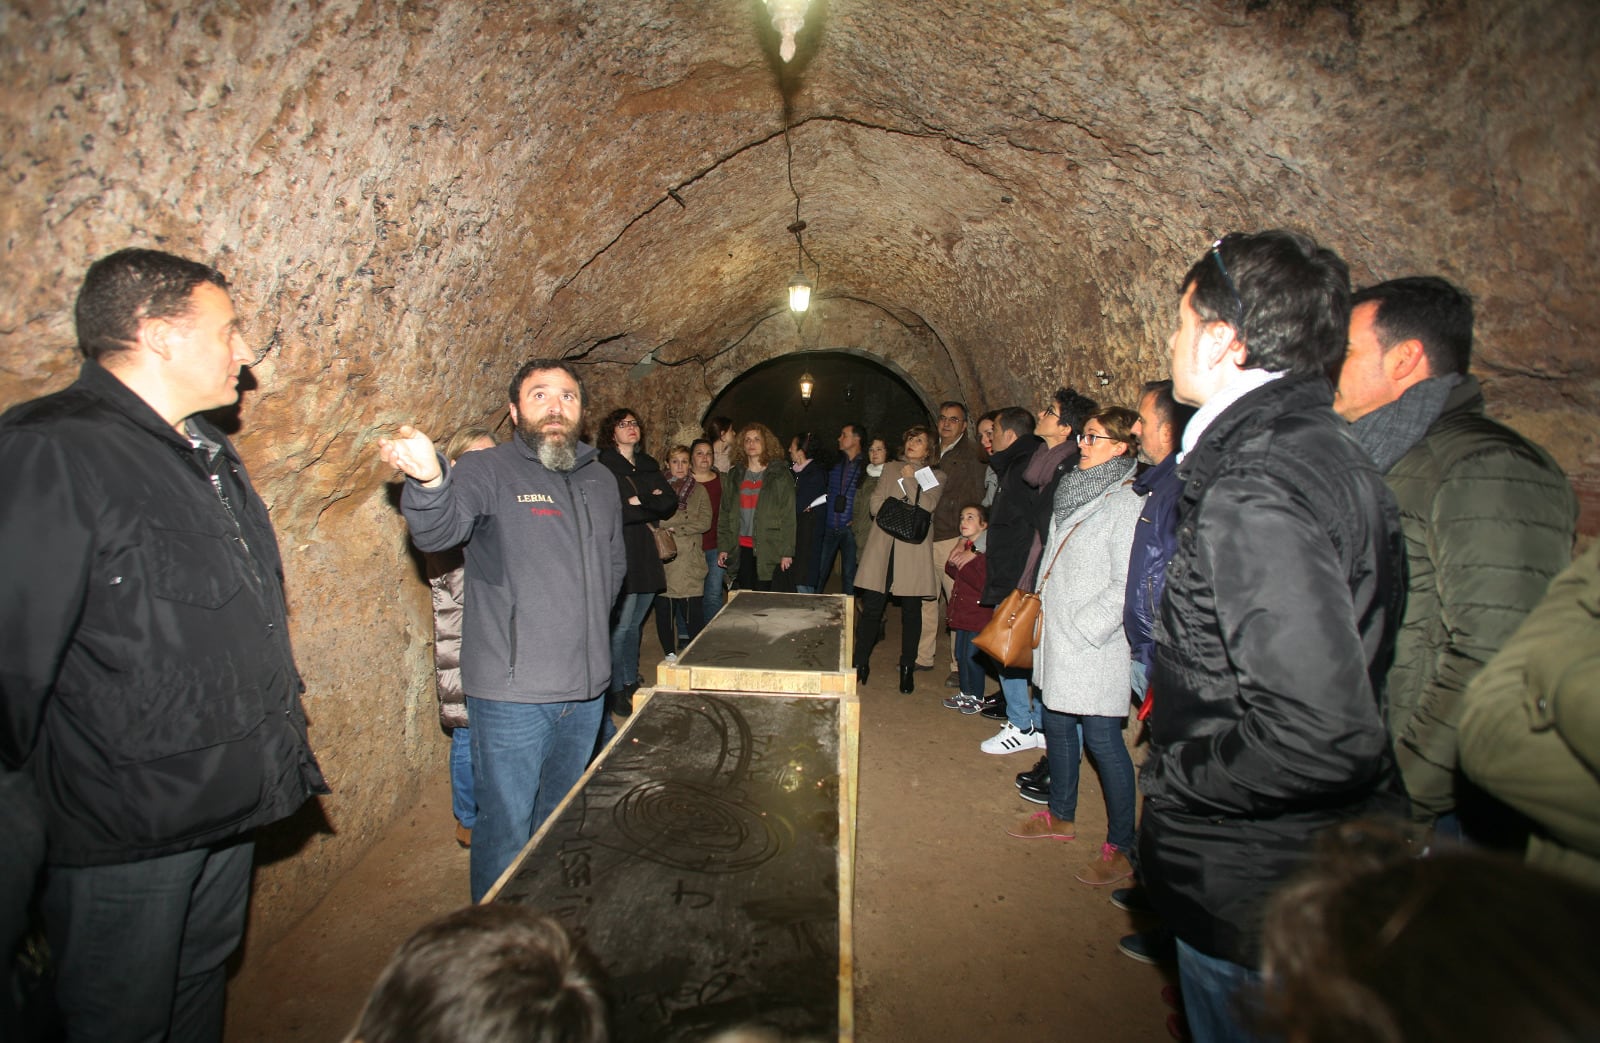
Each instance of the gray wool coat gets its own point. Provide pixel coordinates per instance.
(1081, 664)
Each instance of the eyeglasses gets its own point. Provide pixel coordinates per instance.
(1238, 303)
(1051, 412)
(950, 420)
(627, 423)
(1092, 439)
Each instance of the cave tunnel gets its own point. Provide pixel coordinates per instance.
(848, 387)
(999, 198)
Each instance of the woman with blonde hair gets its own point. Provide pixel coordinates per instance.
(756, 535)
(893, 567)
(686, 573)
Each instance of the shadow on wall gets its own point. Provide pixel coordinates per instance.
(849, 388)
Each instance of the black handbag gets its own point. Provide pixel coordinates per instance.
(905, 521)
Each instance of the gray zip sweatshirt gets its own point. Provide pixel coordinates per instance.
(544, 563)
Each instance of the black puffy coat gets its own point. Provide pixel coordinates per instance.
(1275, 633)
(146, 677)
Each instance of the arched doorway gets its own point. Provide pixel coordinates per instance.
(850, 387)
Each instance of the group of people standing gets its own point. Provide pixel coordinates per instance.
(1327, 592)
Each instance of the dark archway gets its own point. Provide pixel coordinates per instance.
(850, 387)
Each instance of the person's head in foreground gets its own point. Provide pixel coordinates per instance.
(1374, 944)
(487, 974)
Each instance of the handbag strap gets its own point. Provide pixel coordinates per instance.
(1057, 554)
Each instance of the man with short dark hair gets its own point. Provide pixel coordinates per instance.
(1488, 518)
(1011, 534)
(844, 483)
(1162, 421)
(148, 690)
(963, 484)
(1274, 633)
(542, 526)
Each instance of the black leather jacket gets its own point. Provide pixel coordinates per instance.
(147, 682)
(1276, 631)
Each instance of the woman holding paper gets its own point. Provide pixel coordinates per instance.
(894, 567)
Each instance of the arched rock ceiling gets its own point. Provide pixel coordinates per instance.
(412, 197)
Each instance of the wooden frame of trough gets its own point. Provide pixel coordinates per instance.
(579, 850)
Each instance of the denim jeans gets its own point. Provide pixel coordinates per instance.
(630, 613)
(969, 665)
(141, 947)
(841, 542)
(1021, 711)
(1103, 737)
(525, 757)
(1217, 994)
(461, 799)
(712, 603)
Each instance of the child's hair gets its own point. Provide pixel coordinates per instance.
(487, 974)
(983, 512)
(1372, 943)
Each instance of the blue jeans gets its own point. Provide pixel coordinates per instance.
(461, 800)
(525, 757)
(141, 947)
(1021, 711)
(969, 667)
(1216, 996)
(841, 542)
(712, 603)
(1103, 736)
(631, 610)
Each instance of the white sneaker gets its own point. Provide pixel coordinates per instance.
(1011, 739)
(671, 657)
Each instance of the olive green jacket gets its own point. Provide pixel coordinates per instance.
(1488, 519)
(1530, 733)
(774, 521)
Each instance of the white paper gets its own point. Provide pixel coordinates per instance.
(818, 502)
(926, 478)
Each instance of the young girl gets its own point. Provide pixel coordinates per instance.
(968, 567)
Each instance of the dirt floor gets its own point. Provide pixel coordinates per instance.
(961, 932)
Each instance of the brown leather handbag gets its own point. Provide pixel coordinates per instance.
(1012, 633)
(666, 543)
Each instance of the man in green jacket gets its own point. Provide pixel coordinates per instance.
(1530, 733)
(1488, 516)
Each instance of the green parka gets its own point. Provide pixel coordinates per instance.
(774, 522)
(1488, 519)
(1530, 732)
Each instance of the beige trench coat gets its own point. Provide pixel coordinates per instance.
(914, 572)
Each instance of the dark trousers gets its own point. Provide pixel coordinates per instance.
(669, 611)
(141, 947)
(745, 578)
(873, 604)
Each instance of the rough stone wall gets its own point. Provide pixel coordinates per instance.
(413, 197)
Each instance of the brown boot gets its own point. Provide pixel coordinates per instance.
(1110, 867)
(1043, 825)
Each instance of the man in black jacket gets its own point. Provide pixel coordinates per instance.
(1278, 622)
(147, 688)
(1011, 533)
